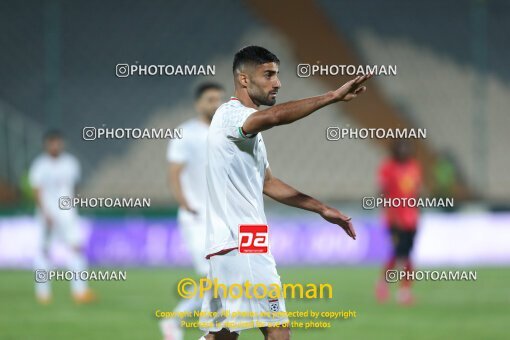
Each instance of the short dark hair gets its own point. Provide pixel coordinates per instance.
(255, 55)
(206, 87)
(52, 134)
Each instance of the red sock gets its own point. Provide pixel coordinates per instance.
(408, 267)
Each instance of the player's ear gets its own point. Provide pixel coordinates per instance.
(243, 79)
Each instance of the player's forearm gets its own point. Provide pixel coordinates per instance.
(179, 197)
(37, 198)
(175, 187)
(289, 112)
(39, 204)
(284, 193)
(286, 113)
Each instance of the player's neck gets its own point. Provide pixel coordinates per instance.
(245, 99)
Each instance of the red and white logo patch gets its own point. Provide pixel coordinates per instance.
(253, 238)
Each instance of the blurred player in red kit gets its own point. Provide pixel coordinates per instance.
(400, 177)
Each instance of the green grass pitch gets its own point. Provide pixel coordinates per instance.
(125, 310)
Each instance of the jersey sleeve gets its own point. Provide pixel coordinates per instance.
(177, 151)
(266, 159)
(234, 120)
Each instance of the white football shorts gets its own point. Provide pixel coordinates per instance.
(238, 313)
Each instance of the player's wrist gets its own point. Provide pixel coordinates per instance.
(322, 209)
(331, 97)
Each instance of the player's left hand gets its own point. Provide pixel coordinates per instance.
(336, 217)
(352, 88)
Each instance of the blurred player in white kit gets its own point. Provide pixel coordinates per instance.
(187, 161)
(52, 175)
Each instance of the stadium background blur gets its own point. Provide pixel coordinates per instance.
(57, 70)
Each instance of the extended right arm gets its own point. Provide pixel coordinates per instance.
(289, 112)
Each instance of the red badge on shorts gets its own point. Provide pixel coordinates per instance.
(253, 238)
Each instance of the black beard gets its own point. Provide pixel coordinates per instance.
(264, 101)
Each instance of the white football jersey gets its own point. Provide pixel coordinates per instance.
(235, 177)
(191, 150)
(54, 177)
